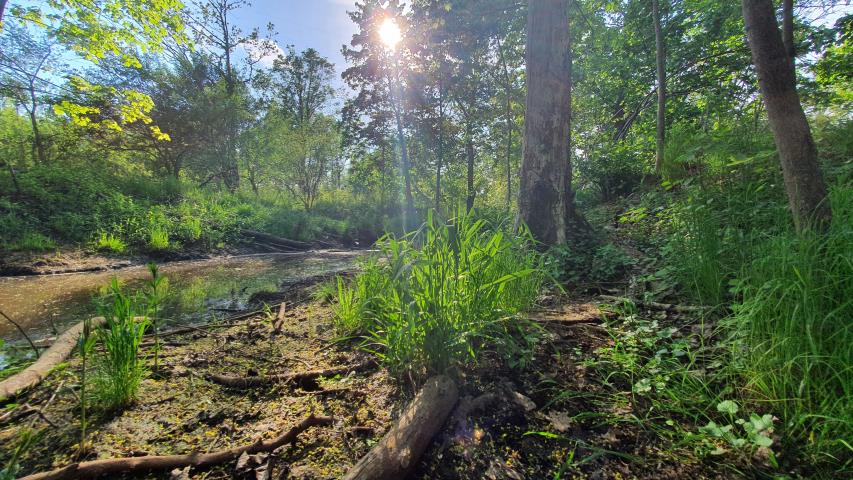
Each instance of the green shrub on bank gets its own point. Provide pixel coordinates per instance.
(442, 296)
(110, 243)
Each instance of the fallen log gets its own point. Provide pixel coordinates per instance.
(396, 455)
(669, 307)
(53, 356)
(118, 466)
(295, 378)
(276, 241)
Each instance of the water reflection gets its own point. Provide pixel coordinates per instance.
(198, 290)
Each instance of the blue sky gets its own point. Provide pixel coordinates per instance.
(321, 24)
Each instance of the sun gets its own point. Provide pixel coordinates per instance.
(390, 33)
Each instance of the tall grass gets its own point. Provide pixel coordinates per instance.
(120, 368)
(442, 296)
(790, 332)
(793, 332)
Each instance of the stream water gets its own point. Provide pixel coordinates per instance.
(199, 290)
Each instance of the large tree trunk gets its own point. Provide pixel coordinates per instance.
(797, 152)
(545, 196)
(660, 54)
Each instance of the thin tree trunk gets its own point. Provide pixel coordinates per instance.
(2, 9)
(545, 191)
(37, 140)
(660, 54)
(440, 163)
(409, 208)
(797, 152)
(469, 153)
(509, 126)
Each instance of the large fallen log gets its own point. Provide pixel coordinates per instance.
(396, 455)
(118, 466)
(53, 356)
(295, 378)
(275, 241)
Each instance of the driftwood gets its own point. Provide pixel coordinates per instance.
(669, 307)
(400, 449)
(118, 466)
(300, 377)
(278, 242)
(53, 356)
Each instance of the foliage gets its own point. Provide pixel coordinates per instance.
(443, 297)
(120, 368)
(110, 243)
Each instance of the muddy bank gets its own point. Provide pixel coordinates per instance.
(546, 420)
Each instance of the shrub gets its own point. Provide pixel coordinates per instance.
(33, 241)
(111, 243)
(443, 295)
(158, 239)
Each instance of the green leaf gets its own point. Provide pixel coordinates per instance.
(728, 406)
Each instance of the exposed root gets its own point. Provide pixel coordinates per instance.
(399, 451)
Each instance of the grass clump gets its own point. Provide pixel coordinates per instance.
(120, 367)
(443, 296)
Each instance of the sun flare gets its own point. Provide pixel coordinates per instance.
(390, 33)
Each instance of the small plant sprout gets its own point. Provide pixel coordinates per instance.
(87, 343)
(155, 292)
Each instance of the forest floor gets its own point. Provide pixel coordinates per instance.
(552, 418)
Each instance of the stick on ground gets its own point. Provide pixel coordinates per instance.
(117, 466)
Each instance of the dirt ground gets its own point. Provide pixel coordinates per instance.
(542, 424)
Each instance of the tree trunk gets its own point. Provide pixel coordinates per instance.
(440, 162)
(409, 207)
(545, 191)
(2, 9)
(660, 54)
(509, 126)
(469, 154)
(788, 28)
(797, 152)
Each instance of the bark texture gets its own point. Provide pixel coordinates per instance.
(660, 56)
(545, 189)
(396, 455)
(797, 152)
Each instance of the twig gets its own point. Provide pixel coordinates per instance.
(29, 340)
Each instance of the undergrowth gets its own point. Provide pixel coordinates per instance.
(443, 297)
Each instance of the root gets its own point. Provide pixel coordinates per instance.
(399, 451)
(118, 466)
